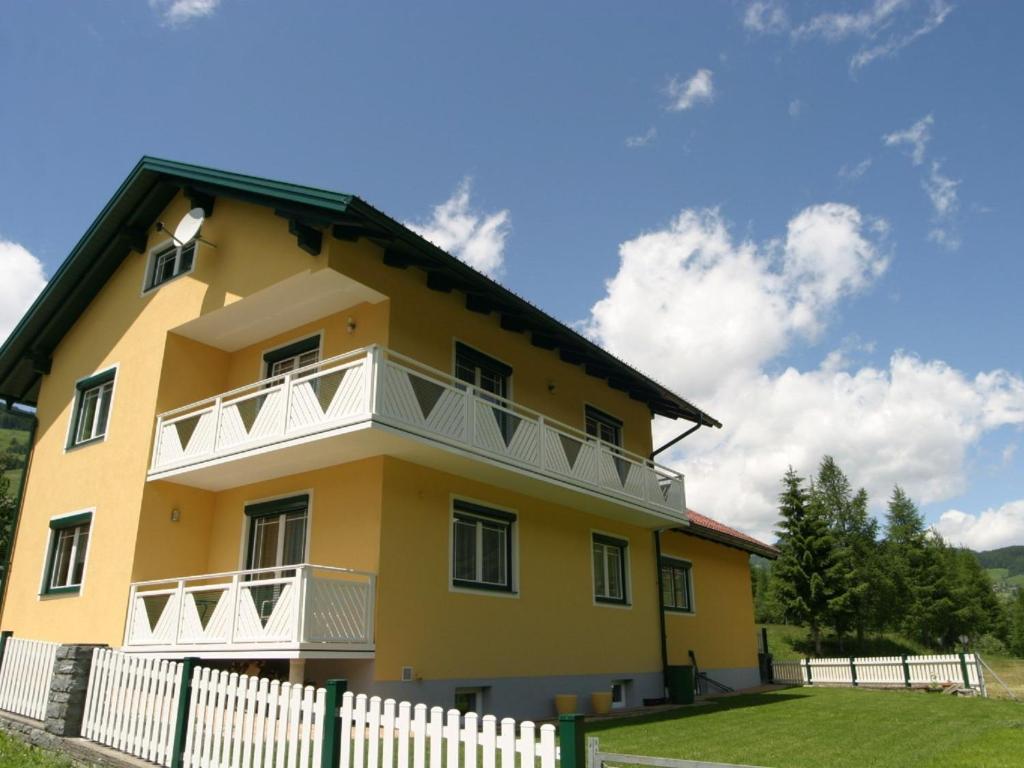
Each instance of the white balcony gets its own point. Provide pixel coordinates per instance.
(297, 611)
(308, 419)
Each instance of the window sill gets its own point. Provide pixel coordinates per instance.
(679, 611)
(158, 286)
(60, 592)
(84, 443)
(612, 603)
(472, 588)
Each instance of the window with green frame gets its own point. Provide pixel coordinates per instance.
(91, 413)
(610, 569)
(676, 589)
(65, 560)
(482, 547)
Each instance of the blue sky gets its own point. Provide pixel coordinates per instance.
(817, 285)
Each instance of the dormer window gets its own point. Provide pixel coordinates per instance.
(169, 261)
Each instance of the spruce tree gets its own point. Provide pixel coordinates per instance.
(800, 575)
(1015, 640)
(903, 558)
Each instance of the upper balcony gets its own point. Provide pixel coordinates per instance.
(375, 401)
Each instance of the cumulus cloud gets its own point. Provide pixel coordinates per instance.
(765, 17)
(989, 529)
(916, 137)
(474, 237)
(712, 317)
(178, 12)
(642, 139)
(23, 280)
(684, 94)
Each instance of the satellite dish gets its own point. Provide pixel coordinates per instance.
(189, 226)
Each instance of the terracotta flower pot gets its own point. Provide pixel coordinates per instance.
(565, 703)
(601, 702)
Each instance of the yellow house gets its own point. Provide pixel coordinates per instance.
(278, 430)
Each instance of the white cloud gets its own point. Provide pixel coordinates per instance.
(642, 139)
(177, 12)
(854, 172)
(23, 280)
(884, 27)
(712, 317)
(766, 17)
(941, 191)
(795, 108)
(474, 237)
(684, 94)
(916, 136)
(989, 529)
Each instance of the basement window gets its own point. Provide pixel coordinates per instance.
(65, 561)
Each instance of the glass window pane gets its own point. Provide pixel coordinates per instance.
(83, 545)
(264, 543)
(62, 557)
(614, 572)
(465, 550)
(188, 253)
(667, 598)
(493, 558)
(294, 539)
(104, 409)
(679, 577)
(600, 582)
(87, 414)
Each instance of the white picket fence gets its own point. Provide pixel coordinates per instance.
(25, 676)
(883, 671)
(237, 720)
(390, 734)
(132, 703)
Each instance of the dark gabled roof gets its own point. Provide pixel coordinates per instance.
(122, 225)
(708, 528)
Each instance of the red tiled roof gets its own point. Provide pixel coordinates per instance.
(722, 531)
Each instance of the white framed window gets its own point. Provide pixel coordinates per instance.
(676, 585)
(482, 547)
(602, 426)
(91, 411)
(290, 357)
(469, 700)
(168, 261)
(67, 550)
(610, 556)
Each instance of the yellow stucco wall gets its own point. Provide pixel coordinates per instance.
(552, 627)
(721, 629)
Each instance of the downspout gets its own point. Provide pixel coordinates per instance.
(661, 611)
(18, 505)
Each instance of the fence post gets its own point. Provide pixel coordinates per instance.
(906, 671)
(593, 747)
(3, 644)
(332, 734)
(188, 664)
(963, 671)
(807, 666)
(853, 670)
(571, 740)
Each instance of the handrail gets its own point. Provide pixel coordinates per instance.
(324, 367)
(253, 571)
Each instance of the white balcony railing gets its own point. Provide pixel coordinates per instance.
(301, 607)
(379, 385)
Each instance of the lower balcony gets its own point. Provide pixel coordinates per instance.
(375, 401)
(301, 611)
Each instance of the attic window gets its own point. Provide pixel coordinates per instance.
(169, 261)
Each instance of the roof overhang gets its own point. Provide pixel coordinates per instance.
(122, 224)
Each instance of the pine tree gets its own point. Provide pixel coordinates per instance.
(800, 575)
(853, 578)
(1015, 640)
(902, 559)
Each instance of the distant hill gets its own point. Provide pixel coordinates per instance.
(1005, 566)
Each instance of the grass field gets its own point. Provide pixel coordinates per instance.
(14, 753)
(834, 727)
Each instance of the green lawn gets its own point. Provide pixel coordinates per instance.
(15, 753)
(833, 727)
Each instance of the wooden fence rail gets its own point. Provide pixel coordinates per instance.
(963, 669)
(25, 676)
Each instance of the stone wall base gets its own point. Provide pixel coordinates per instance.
(80, 752)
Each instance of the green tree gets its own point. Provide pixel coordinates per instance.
(1015, 640)
(902, 559)
(7, 512)
(853, 581)
(805, 559)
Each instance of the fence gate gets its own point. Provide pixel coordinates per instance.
(132, 704)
